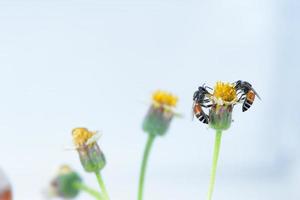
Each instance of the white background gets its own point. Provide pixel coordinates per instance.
(65, 64)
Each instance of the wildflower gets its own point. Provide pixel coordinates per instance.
(160, 113)
(223, 99)
(5, 188)
(64, 184)
(220, 103)
(156, 122)
(91, 157)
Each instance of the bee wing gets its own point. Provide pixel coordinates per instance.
(256, 93)
(94, 138)
(234, 83)
(192, 111)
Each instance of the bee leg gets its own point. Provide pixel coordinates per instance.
(206, 120)
(206, 106)
(242, 98)
(196, 94)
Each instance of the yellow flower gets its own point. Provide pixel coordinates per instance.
(64, 169)
(160, 113)
(81, 136)
(63, 184)
(164, 99)
(90, 154)
(224, 93)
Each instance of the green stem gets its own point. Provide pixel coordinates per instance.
(214, 164)
(144, 165)
(102, 185)
(87, 189)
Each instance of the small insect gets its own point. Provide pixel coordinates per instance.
(200, 98)
(247, 93)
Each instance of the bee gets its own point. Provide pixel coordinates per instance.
(248, 94)
(200, 98)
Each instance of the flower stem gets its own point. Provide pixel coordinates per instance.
(102, 185)
(144, 165)
(87, 189)
(214, 164)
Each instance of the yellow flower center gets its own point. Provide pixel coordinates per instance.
(81, 136)
(64, 169)
(164, 98)
(224, 91)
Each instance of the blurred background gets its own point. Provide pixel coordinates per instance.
(65, 64)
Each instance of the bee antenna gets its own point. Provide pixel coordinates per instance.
(205, 86)
(208, 87)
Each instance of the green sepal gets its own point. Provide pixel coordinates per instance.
(66, 185)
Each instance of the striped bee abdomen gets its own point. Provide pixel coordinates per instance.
(200, 114)
(249, 100)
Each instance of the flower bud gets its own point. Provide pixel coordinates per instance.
(91, 157)
(160, 113)
(64, 184)
(157, 121)
(220, 117)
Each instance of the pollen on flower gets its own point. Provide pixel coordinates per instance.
(81, 136)
(64, 169)
(164, 98)
(224, 91)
